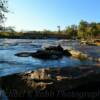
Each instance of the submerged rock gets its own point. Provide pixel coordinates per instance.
(23, 54)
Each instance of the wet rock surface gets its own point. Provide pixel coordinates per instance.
(45, 54)
(51, 80)
(78, 55)
(23, 54)
(55, 48)
(52, 52)
(57, 52)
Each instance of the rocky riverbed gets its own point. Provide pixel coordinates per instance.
(46, 82)
(48, 72)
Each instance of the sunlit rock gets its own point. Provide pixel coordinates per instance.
(41, 74)
(60, 78)
(78, 54)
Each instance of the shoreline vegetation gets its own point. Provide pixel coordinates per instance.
(84, 30)
(32, 35)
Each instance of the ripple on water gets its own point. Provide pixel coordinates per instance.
(10, 64)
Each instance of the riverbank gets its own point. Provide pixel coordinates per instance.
(33, 35)
(53, 82)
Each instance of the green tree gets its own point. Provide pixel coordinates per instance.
(82, 29)
(93, 29)
(71, 31)
(98, 29)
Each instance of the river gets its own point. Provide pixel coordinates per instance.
(10, 64)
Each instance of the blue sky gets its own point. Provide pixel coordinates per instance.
(48, 14)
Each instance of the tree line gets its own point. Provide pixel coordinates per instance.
(84, 30)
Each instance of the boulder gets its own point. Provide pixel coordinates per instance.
(67, 53)
(45, 54)
(78, 55)
(23, 54)
(52, 52)
(55, 48)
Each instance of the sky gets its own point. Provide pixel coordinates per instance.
(48, 14)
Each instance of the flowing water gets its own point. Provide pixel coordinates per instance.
(10, 64)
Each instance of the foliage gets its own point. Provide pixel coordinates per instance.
(84, 30)
(88, 30)
(3, 10)
(71, 31)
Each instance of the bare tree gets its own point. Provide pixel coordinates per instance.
(58, 29)
(3, 10)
